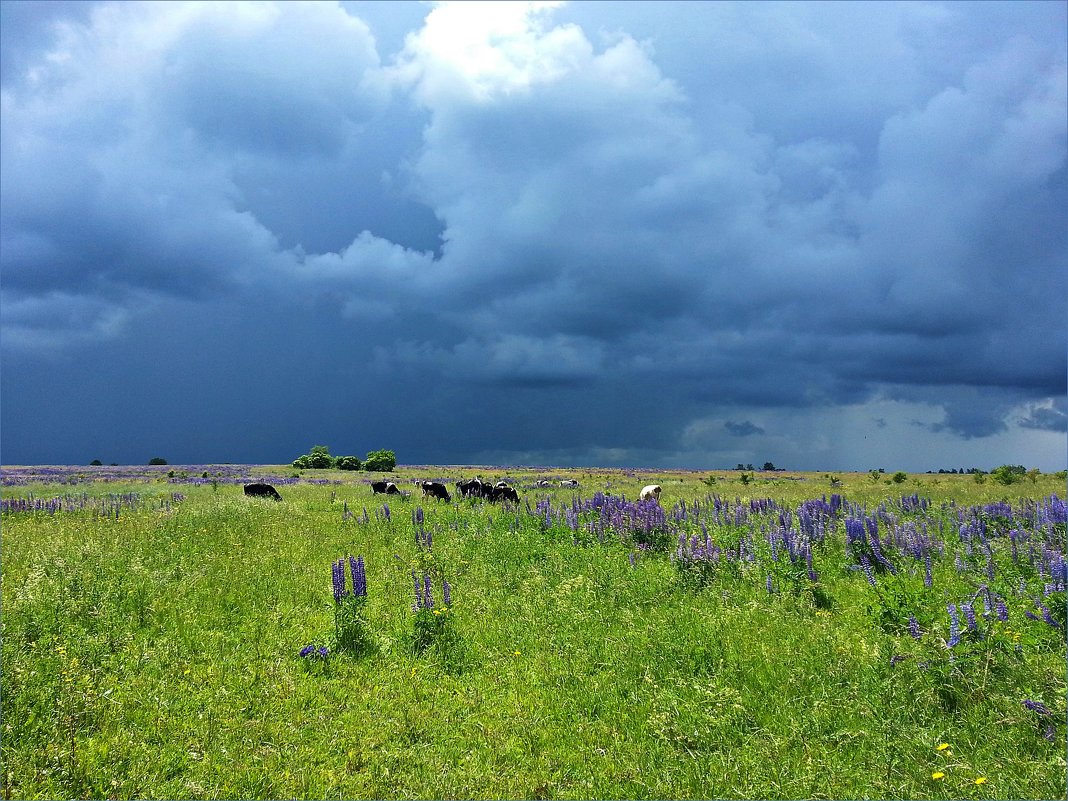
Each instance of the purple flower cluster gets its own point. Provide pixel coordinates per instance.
(359, 579)
(424, 598)
(1037, 707)
(311, 652)
(954, 627)
(110, 505)
(424, 538)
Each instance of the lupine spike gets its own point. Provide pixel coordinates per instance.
(954, 626)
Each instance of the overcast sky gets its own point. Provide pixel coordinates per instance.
(827, 235)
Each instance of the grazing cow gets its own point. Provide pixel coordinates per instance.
(650, 493)
(260, 490)
(569, 483)
(543, 483)
(384, 487)
(470, 488)
(435, 490)
(502, 491)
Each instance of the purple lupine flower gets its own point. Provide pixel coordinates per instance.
(428, 599)
(323, 652)
(954, 626)
(927, 570)
(417, 515)
(969, 616)
(359, 577)
(418, 603)
(866, 567)
(897, 658)
(1001, 610)
(914, 628)
(1037, 707)
(339, 580)
(630, 558)
(768, 585)
(446, 592)
(307, 649)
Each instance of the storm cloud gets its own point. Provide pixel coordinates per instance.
(828, 236)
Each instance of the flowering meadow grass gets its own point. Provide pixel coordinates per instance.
(794, 636)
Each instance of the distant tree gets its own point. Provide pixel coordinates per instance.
(749, 467)
(157, 460)
(318, 458)
(380, 461)
(740, 466)
(769, 467)
(96, 463)
(348, 463)
(321, 458)
(1008, 473)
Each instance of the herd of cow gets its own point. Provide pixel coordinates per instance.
(467, 488)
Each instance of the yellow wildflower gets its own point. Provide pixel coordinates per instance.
(981, 780)
(943, 746)
(937, 775)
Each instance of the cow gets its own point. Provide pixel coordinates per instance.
(470, 488)
(502, 491)
(650, 493)
(570, 483)
(384, 487)
(435, 490)
(261, 490)
(543, 483)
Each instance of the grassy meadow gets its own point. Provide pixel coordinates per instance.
(811, 636)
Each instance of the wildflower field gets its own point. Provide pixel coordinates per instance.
(773, 635)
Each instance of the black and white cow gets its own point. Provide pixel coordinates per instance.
(470, 488)
(384, 487)
(433, 489)
(569, 483)
(261, 490)
(502, 492)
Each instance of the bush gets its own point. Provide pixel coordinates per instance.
(318, 458)
(157, 460)
(96, 463)
(348, 463)
(1008, 473)
(900, 476)
(380, 461)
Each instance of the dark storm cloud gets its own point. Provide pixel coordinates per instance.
(597, 232)
(743, 429)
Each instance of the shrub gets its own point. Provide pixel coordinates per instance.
(380, 461)
(157, 460)
(318, 458)
(900, 476)
(1008, 473)
(348, 463)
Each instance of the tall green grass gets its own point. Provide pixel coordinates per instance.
(157, 655)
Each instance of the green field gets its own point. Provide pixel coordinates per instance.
(152, 641)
